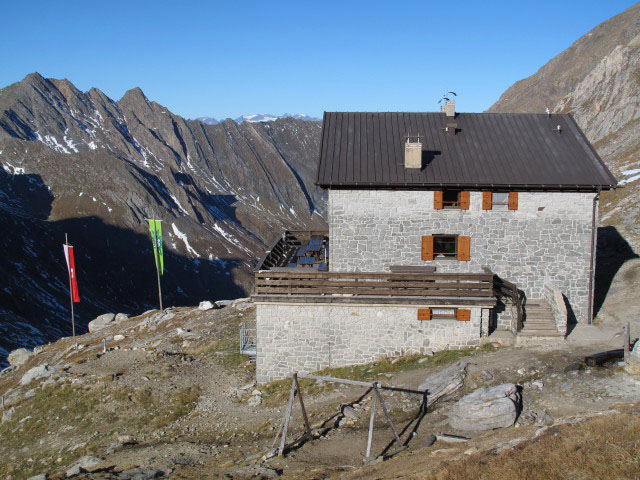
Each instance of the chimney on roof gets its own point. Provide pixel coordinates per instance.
(412, 151)
(449, 108)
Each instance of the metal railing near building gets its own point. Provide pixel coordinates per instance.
(248, 341)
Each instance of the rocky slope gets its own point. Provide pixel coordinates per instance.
(81, 163)
(169, 396)
(597, 79)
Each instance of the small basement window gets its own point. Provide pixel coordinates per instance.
(445, 246)
(443, 313)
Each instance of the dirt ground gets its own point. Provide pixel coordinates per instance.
(173, 395)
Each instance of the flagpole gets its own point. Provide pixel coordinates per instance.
(73, 323)
(157, 262)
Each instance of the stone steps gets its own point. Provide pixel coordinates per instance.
(539, 321)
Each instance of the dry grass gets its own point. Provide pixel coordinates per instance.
(277, 392)
(603, 448)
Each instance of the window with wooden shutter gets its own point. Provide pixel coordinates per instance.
(486, 200)
(500, 200)
(463, 315)
(427, 247)
(439, 313)
(424, 314)
(465, 200)
(437, 200)
(513, 200)
(464, 248)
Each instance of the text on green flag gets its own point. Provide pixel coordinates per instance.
(155, 227)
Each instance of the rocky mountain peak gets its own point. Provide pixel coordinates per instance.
(133, 95)
(561, 74)
(98, 168)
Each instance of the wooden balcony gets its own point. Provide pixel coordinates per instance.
(388, 288)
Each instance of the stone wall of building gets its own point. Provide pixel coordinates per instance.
(548, 239)
(312, 337)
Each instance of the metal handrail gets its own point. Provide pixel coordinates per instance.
(247, 337)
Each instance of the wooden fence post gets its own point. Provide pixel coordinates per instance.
(371, 422)
(287, 417)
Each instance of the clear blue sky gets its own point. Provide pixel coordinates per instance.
(224, 59)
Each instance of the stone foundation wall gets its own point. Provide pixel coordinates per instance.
(311, 337)
(548, 239)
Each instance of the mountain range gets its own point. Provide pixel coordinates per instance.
(83, 164)
(260, 117)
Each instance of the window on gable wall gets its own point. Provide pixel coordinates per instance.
(444, 246)
(500, 200)
(451, 199)
(440, 246)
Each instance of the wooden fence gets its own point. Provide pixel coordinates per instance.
(388, 284)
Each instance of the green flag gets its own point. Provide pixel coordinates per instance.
(155, 227)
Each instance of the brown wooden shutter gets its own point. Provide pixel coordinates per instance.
(463, 314)
(424, 314)
(513, 200)
(427, 247)
(487, 200)
(437, 200)
(465, 200)
(464, 248)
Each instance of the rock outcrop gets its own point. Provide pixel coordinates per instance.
(486, 408)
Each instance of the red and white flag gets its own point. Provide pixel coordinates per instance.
(71, 268)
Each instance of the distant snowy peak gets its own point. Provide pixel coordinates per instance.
(302, 116)
(208, 120)
(257, 117)
(267, 117)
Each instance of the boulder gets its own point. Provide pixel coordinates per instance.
(42, 476)
(223, 303)
(256, 471)
(41, 371)
(350, 412)
(254, 401)
(121, 317)
(634, 354)
(101, 322)
(7, 414)
(242, 304)
(445, 381)
(205, 305)
(83, 464)
(141, 473)
(19, 357)
(486, 409)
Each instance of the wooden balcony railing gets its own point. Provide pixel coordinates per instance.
(377, 284)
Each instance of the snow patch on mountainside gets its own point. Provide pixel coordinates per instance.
(184, 238)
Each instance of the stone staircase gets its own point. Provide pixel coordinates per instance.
(539, 321)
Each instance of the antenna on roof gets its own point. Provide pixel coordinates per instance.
(548, 112)
(557, 129)
(446, 98)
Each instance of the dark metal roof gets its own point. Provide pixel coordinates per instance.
(518, 150)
